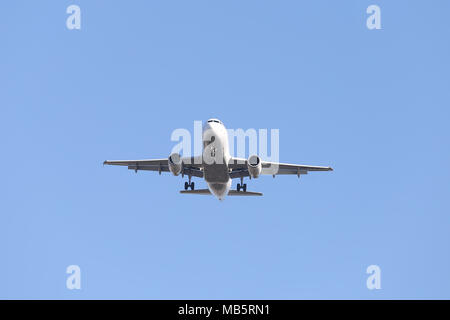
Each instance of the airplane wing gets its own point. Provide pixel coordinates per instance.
(159, 165)
(239, 168)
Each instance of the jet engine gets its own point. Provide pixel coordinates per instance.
(175, 164)
(254, 166)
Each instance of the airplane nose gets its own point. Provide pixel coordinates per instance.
(206, 126)
(209, 131)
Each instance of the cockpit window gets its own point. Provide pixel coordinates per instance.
(214, 120)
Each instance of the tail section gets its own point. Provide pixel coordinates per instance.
(230, 193)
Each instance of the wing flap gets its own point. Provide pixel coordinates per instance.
(144, 162)
(239, 168)
(158, 165)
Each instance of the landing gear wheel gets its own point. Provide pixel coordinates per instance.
(238, 187)
(192, 185)
(244, 187)
(186, 185)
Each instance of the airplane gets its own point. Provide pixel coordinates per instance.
(216, 166)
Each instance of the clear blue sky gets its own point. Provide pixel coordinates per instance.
(372, 104)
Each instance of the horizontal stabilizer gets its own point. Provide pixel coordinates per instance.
(242, 193)
(199, 191)
(230, 193)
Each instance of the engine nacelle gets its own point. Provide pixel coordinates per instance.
(254, 166)
(175, 164)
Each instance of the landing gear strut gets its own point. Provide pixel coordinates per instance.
(189, 185)
(242, 185)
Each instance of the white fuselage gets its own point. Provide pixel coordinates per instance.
(216, 155)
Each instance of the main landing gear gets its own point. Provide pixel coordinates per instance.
(242, 185)
(189, 184)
